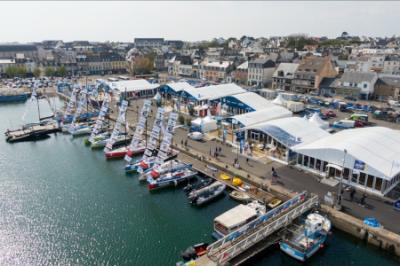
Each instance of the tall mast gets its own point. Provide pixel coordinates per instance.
(125, 119)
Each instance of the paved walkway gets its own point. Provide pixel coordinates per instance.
(296, 180)
(289, 177)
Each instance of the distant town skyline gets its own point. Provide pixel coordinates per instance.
(193, 21)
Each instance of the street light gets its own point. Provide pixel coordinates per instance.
(340, 188)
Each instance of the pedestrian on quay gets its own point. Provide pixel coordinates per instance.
(186, 143)
(247, 160)
(352, 193)
(182, 143)
(362, 200)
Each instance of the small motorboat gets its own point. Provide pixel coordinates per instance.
(201, 184)
(240, 196)
(275, 202)
(193, 252)
(304, 242)
(207, 194)
(117, 153)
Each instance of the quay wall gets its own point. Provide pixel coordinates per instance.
(379, 237)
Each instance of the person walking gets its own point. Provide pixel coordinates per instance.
(352, 193)
(362, 200)
(247, 160)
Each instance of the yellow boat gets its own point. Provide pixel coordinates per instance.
(224, 176)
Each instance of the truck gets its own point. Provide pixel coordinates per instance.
(295, 107)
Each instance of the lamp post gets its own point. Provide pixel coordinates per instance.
(338, 205)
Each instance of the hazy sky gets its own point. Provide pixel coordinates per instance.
(122, 21)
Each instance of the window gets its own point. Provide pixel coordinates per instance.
(378, 183)
(361, 179)
(354, 178)
(346, 173)
(365, 86)
(370, 181)
(299, 159)
(312, 162)
(318, 165)
(306, 160)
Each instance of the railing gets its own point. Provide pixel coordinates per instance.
(223, 254)
(257, 222)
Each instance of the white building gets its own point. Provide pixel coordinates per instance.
(138, 88)
(370, 158)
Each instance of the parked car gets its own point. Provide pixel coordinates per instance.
(351, 98)
(330, 113)
(195, 135)
(344, 124)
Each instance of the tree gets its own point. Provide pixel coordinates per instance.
(16, 71)
(49, 72)
(11, 71)
(181, 119)
(62, 71)
(141, 65)
(36, 72)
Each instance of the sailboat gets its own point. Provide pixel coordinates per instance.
(33, 131)
(97, 134)
(151, 148)
(138, 144)
(119, 152)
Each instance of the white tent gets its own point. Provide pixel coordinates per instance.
(206, 124)
(316, 119)
(279, 100)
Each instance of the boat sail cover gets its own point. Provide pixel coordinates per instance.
(167, 139)
(100, 119)
(154, 135)
(117, 127)
(71, 103)
(140, 128)
(82, 101)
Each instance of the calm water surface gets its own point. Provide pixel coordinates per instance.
(63, 204)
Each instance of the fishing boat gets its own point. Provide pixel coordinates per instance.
(202, 183)
(240, 196)
(171, 178)
(306, 240)
(235, 218)
(156, 171)
(207, 194)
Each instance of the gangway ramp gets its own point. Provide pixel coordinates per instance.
(233, 245)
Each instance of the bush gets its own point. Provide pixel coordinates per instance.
(181, 119)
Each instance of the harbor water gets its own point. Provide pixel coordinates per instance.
(63, 204)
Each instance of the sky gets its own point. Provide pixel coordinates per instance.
(193, 20)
